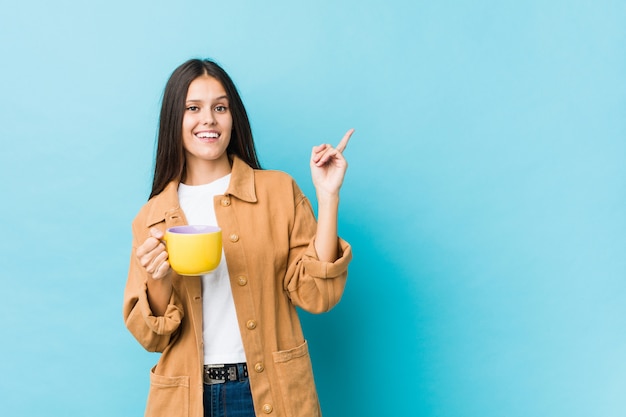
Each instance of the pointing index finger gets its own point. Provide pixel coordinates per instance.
(344, 141)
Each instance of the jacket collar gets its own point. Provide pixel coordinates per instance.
(242, 181)
(166, 207)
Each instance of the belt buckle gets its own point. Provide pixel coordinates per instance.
(211, 381)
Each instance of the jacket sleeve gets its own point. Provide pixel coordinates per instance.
(313, 285)
(153, 333)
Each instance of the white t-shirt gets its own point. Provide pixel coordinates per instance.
(220, 329)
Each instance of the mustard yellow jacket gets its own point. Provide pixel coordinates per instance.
(268, 228)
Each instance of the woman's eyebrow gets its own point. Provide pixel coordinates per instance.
(198, 100)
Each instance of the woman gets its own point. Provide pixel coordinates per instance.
(231, 340)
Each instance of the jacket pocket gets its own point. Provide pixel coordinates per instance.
(295, 375)
(168, 396)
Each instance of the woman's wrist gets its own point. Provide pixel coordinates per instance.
(327, 198)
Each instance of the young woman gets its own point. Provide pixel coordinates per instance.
(231, 340)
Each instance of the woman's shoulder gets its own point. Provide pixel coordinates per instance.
(154, 210)
(278, 185)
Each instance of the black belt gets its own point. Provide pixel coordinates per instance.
(219, 374)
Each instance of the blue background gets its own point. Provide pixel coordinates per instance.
(485, 196)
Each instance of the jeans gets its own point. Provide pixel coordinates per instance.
(230, 399)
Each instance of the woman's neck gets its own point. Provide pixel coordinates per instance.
(205, 172)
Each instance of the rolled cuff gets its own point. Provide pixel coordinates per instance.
(161, 325)
(320, 269)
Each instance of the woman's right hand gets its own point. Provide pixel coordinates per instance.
(152, 255)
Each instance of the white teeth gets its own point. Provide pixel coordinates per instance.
(206, 135)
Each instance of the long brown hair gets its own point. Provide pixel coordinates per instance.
(170, 156)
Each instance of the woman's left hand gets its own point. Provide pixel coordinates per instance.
(328, 166)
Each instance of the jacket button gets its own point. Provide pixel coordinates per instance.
(251, 324)
(259, 367)
(225, 202)
(267, 408)
(234, 237)
(242, 280)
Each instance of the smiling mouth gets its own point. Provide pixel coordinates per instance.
(207, 135)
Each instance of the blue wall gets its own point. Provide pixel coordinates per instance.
(485, 197)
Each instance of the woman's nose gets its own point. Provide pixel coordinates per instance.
(209, 118)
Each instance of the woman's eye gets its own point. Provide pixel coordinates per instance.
(192, 108)
(221, 109)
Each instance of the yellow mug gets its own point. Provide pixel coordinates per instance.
(194, 249)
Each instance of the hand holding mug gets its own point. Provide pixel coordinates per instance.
(153, 256)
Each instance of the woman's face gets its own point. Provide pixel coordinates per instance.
(207, 122)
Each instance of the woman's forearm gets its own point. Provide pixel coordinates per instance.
(326, 237)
